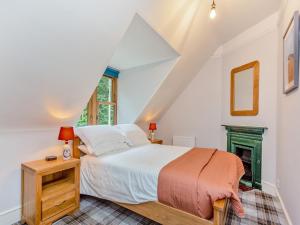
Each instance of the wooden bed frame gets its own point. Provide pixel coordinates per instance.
(167, 215)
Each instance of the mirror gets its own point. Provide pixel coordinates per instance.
(245, 90)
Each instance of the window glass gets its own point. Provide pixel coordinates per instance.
(106, 114)
(105, 90)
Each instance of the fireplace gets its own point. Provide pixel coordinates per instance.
(246, 143)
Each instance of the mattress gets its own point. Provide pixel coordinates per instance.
(129, 176)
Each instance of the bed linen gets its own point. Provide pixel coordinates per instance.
(129, 176)
(206, 175)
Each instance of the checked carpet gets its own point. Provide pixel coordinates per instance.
(260, 208)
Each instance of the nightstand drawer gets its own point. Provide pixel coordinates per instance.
(55, 205)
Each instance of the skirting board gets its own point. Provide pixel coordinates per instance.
(287, 216)
(10, 216)
(269, 188)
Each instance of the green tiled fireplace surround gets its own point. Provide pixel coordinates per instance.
(249, 140)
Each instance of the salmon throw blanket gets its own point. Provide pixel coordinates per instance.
(193, 181)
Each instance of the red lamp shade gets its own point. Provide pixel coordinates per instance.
(152, 126)
(66, 134)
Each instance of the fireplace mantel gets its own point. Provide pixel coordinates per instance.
(245, 129)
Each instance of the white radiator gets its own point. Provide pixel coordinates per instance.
(184, 141)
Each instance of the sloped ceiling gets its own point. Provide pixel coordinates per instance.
(144, 59)
(234, 17)
(141, 45)
(53, 52)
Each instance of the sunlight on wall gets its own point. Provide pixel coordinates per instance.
(60, 114)
(61, 111)
(149, 117)
(178, 26)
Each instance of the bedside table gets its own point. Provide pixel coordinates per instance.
(156, 141)
(50, 190)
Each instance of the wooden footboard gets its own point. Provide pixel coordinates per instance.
(167, 215)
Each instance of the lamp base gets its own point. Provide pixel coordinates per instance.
(67, 152)
(151, 135)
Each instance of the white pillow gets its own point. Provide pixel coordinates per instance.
(100, 139)
(135, 135)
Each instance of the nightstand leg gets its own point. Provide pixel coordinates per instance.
(72, 212)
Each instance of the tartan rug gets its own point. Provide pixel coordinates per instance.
(260, 208)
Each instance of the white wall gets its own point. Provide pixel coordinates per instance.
(288, 165)
(264, 50)
(137, 86)
(196, 112)
(205, 104)
(19, 146)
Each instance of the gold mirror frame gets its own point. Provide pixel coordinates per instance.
(255, 98)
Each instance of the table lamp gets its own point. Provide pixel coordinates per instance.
(66, 134)
(152, 128)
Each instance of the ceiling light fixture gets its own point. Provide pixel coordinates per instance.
(213, 13)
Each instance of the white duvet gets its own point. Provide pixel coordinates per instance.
(129, 176)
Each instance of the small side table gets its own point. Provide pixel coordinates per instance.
(50, 190)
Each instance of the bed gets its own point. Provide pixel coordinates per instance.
(130, 179)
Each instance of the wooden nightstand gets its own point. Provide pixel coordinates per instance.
(156, 141)
(50, 190)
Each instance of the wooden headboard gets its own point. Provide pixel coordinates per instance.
(76, 151)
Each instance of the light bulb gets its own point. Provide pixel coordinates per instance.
(213, 13)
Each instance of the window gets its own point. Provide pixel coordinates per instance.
(102, 107)
(106, 101)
